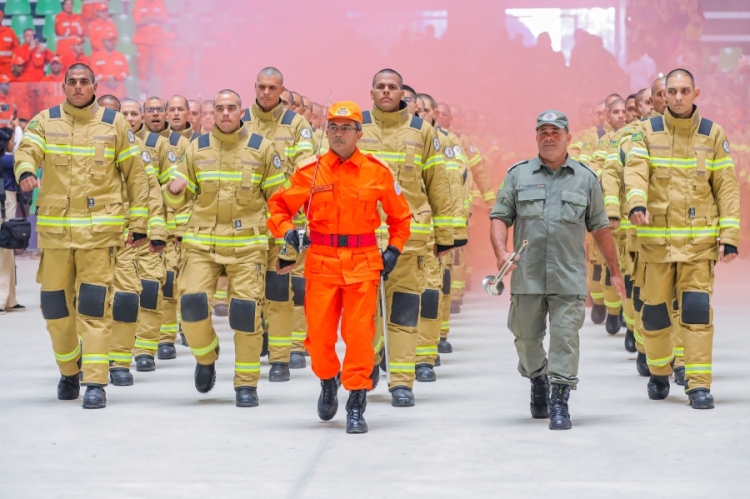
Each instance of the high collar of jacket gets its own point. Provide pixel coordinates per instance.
(86, 113)
(271, 115)
(238, 136)
(167, 130)
(187, 132)
(682, 123)
(393, 117)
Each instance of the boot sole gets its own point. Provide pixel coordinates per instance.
(426, 380)
(211, 387)
(166, 357)
(245, 404)
(396, 403)
(561, 428)
(68, 397)
(120, 383)
(101, 405)
(277, 379)
(701, 406)
(356, 431)
(331, 415)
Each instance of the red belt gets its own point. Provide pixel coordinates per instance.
(339, 241)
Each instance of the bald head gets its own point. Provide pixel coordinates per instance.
(231, 94)
(271, 72)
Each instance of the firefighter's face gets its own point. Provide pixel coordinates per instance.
(387, 93)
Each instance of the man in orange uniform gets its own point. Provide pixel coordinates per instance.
(50, 88)
(110, 68)
(101, 28)
(75, 55)
(343, 265)
(8, 43)
(150, 16)
(68, 26)
(89, 9)
(33, 56)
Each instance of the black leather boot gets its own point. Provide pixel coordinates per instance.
(279, 372)
(444, 346)
(166, 351)
(328, 402)
(375, 376)
(264, 348)
(425, 373)
(145, 363)
(613, 324)
(246, 396)
(401, 396)
(559, 417)
(297, 360)
(622, 320)
(382, 362)
(355, 410)
(679, 376)
(641, 365)
(658, 387)
(94, 398)
(69, 387)
(630, 341)
(539, 394)
(598, 313)
(437, 361)
(205, 377)
(701, 398)
(120, 377)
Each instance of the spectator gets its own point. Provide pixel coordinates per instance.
(32, 56)
(75, 55)
(102, 27)
(110, 69)
(50, 90)
(68, 27)
(8, 301)
(88, 12)
(150, 37)
(7, 103)
(8, 43)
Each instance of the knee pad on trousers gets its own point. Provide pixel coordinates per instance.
(91, 300)
(637, 302)
(628, 287)
(696, 307)
(125, 307)
(298, 291)
(242, 315)
(168, 288)
(277, 287)
(430, 304)
(446, 281)
(607, 278)
(597, 274)
(405, 309)
(194, 307)
(656, 317)
(54, 305)
(150, 294)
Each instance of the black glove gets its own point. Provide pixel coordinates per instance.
(441, 248)
(457, 243)
(292, 239)
(729, 249)
(138, 237)
(156, 243)
(390, 257)
(285, 263)
(639, 209)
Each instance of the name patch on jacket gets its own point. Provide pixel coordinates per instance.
(321, 188)
(531, 186)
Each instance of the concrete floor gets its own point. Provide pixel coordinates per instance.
(470, 434)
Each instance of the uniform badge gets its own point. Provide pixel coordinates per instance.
(472, 149)
(436, 144)
(449, 152)
(277, 161)
(397, 187)
(33, 124)
(306, 133)
(172, 156)
(131, 137)
(637, 136)
(725, 145)
(342, 111)
(146, 157)
(549, 117)
(457, 150)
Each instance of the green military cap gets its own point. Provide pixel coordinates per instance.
(552, 118)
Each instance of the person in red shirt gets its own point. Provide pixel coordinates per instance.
(68, 26)
(110, 69)
(100, 28)
(8, 43)
(75, 55)
(7, 102)
(50, 88)
(88, 12)
(33, 55)
(340, 195)
(150, 37)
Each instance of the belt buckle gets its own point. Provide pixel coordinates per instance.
(342, 241)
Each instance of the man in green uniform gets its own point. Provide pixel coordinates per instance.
(553, 201)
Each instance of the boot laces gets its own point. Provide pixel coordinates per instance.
(329, 391)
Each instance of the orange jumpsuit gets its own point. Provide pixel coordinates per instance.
(88, 11)
(111, 64)
(68, 27)
(150, 37)
(344, 278)
(70, 58)
(34, 62)
(101, 30)
(50, 91)
(8, 43)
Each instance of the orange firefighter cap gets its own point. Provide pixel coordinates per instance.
(345, 109)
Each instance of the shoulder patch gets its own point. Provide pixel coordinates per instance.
(724, 145)
(517, 164)
(204, 141)
(366, 118)
(705, 127)
(109, 116)
(305, 133)
(152, 140)
(196, 136)
(276, 161)
(172, 157)
(146, 157)
(131, 136)
(255, 141)
(416, 123)
(247, 116)
(55, 113)
(436, 144)
(174, 139)
(614, 143)
(637, 137)
(288, 117)
(657, 123)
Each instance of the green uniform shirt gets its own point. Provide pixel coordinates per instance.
(552, 210)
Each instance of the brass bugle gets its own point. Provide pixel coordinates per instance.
(493, 284)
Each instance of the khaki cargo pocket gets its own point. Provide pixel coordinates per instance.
(531, 203)
(573, 206)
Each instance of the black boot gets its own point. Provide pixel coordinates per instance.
(437, 361)
(401, 396)
(145, 363)
(297, 360)
(328, 402)
(641, 365)
(375, 376)
(166, 351)
(246, 396)
(120, 377)
(279, 372)
(264, 348)
(613, 324)
(184, 340)
(444, 346)
(598, 313)
(630, 341)
(701, 398)
(455, 307)
(425, 373)
(94, 398)
(679, 376)
(658, 387)
(355, 410)
(221, 310)
(205, 377)
(69, 387)
(382, 361)
(559, 417)
(539, 394)
(622, 320)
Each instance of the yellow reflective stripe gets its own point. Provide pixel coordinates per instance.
(489, 196)
(191, 186)
(227, 176)
(24, 167)
(445, 325)
(435, 160)
(35, 139)
(443, 221)
(636, 192)
(167, 174)
(475, 160)
(613, 304)
(138, 211)
(584, 158)
(678, 231)
(457, 284)
(95, 358)
(174, 198)
(423, 351)
(612, 200)
(626, 225)
(220, 294)
(637, 151)
(280, 341)
(272, 181)
(459, 221)
(299, 335)
(47, 221)
(121, 357)
(638, 337)
(687, 163)
(678, 351)
(659, 362)
(69, 150)
(247, 367)
(401, 367)
(200, 352)
(171, 224)
(156, 222)
(697, 368)
(630, 321)
(151, 170)
(451, 165)
(67, 357)
(146, 344)
(126, 154)
(225, 241)
(729, 222)
(394, 157)
(379, 345)
(600, 154)
(420, 228)
(168, 328)
(614, 157)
